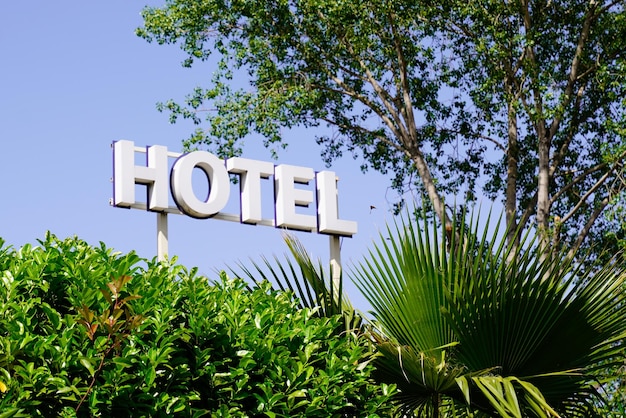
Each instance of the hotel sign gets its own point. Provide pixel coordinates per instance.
(289, 183)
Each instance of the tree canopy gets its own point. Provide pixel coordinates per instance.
(521, 101)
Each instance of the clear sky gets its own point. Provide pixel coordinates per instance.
(75, 78)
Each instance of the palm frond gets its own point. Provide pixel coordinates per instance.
(512, 322)
(306, 279)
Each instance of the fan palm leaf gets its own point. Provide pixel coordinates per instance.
(508, 330)
(307, 280)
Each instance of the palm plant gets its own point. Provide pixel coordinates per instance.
(307, 280)
(468, 326)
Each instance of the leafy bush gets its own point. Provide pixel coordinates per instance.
(88, 332)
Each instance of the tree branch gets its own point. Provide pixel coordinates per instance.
(366, 131)
(348, 91)
(571, 80)
(560, 154)
(528, 212)
(498, 144)
(404, 83)
(576, 180)
(411, 141)
(583, 199)
(585, 231)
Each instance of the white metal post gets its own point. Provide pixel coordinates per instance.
(162, 236)
(335, 260)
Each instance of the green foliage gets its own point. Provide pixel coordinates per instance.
(446, 96)
(468, 320)
(88, 332)
(615, 392)
(314, 288)
(306, 61)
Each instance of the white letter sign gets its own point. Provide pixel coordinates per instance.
(250, 174)
(182, 191)
(327, 207)
(292, 189)
(126, 174)
(288, 197)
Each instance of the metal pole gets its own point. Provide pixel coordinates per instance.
(335, 252)
(335, 260)
(162, 249)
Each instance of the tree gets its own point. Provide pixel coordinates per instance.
(525, 97)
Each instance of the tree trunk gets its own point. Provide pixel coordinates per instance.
(429, 185)
(543, 193)
(511, 180)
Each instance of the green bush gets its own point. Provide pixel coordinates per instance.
(88, 332)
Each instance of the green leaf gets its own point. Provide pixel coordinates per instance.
(88, 365)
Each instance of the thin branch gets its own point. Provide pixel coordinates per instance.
(366, 131)
(577, 180)
(348, 91)
(607, 7)
(571, 80)
(530, 211)
(460, 29)
(481, 136)
(203, 110)
(540, 125)
(519, 62)
(612, 170)
(594, 216)
(395, 126)
(585, 231)
(382, 94)
(351, 72)
(558, 157)
(404, 81)
(596, 65)
(583, 199)
(411, 142)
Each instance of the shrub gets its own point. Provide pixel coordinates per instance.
(88, 332)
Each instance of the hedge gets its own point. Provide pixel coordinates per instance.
(85, 331)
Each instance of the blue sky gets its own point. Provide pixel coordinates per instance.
(74, 79)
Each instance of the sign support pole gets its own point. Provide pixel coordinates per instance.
(162, 236)
(335, 261)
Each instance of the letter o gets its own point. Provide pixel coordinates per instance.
(182, 189)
